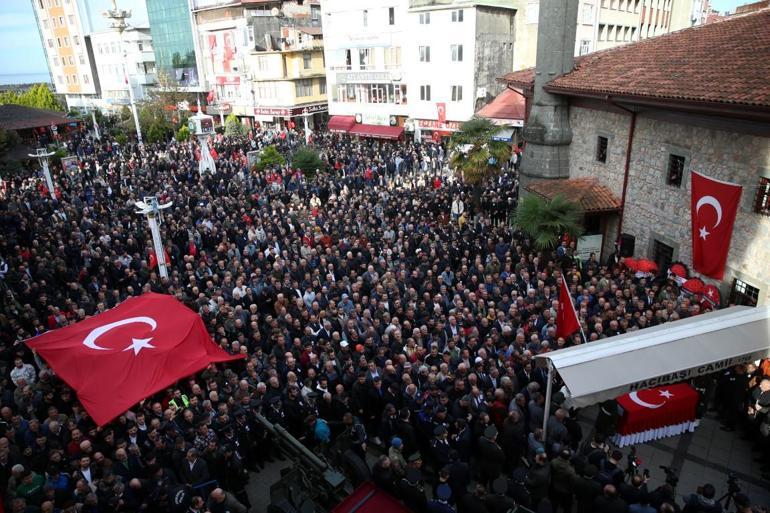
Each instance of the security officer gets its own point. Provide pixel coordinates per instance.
(410, 489)
(491, 456)
(440, 504)
(498, 501)
(440, 448)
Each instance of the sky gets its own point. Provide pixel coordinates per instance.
(23, 51)
(20, 40)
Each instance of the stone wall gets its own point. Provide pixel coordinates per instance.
(656, 210)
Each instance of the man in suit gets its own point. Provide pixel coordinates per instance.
(491, 456)
(194, 470)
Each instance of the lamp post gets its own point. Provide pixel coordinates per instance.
(42, 155)
(152, 210)
(118, 17)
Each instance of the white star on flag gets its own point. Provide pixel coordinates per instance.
(666, 394)
(137, 344)
(704, 233)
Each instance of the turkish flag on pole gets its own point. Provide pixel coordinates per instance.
(713, 207)
(118, 358)
(566, 318)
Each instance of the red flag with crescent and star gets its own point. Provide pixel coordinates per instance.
(566, 318)
(124, 355)
(713, 207)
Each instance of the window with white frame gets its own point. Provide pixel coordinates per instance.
(457, 93)
(304, 87)
(585, 46)
(457, 16)
(365, 58)
(457, 53)
(424, 53)
(262, 63)
(365, 19)
(588, 14)
(424, 18)
(533, 11)
(425, 93)
(393, 57)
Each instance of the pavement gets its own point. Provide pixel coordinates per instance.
(708, 455)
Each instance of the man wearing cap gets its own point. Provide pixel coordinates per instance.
(491, 456)
(396, 456)
(440, 503)
(498, 501)
(440, 446)
(410, 490)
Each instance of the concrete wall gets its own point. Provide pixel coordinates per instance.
(494, 51)
(655, 210)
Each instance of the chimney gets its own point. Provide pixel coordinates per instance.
(548, 133)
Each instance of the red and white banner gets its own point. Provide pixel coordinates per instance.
(713, 206)
(441, 109)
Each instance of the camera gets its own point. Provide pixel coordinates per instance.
(732, 484)
(671, 476)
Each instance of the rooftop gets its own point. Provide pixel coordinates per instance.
(723, 63)
(587, 192)
(19, 117)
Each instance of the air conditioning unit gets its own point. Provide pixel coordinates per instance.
(359, 118)
(393, 120)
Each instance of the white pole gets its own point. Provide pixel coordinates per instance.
(307, 130)
(48, 178)
(96, 125)
(547, 409)
(160, 253)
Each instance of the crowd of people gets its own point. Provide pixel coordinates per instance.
(384, 310)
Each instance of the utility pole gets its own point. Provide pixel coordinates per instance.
(119, 17)
(42, 155)
(152, 210)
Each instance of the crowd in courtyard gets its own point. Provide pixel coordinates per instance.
(382, 308)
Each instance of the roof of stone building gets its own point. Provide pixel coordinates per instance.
(19, 117)
(587, 192)
(507, 105)
(720, 63)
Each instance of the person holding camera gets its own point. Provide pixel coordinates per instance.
(703, 501)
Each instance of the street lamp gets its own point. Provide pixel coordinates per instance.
(151, 209)
(118, 17)
(42, 155)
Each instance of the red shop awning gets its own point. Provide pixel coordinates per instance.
(377, 131)
(341, 123)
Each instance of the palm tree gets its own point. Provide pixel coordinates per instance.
(545, 221)
(475, 154)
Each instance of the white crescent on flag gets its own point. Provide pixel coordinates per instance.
(634, 396)
(137, 344)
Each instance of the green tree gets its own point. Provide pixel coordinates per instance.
(545, 221)
(156, 132)
(308, 160)
(269, 158)
(475, 155)
(183, 134)
(233, 126)
(39, 96)
(125, 113)
(9, 139)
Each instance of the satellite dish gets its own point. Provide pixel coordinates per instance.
(275, 11)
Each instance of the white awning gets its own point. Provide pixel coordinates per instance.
(667, 353)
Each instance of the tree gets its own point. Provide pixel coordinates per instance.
(9, 139)
(39, 96)
(269, 158)
(183, 134)
(233, 126)
(308, 160)
(156, 132)
(475, 154)
(546, 221)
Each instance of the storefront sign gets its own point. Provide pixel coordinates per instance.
(588, 244)
(353, 77)
(434, 124)
(375, 118)
(228, 80)
(289, 112)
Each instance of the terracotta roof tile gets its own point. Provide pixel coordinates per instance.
(507, 105)
(589, 193)
(727, 62)
(20, 117)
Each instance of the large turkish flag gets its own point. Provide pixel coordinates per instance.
(566, 318)
(713, 207)
(118, 358)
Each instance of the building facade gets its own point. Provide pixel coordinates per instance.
(365, 44)
(603, 24)
(177, 55)
(116, 72)
(68, 52)
(642, 139)
(286, 64)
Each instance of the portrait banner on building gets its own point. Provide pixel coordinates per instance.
(714, 204)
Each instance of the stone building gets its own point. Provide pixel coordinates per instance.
(643, 116)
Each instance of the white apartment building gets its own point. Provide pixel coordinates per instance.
(116, 72)
(423, 66)
(364, 46)
(452, 61)
(70, 60)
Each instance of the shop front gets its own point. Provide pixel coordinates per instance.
(310, 116)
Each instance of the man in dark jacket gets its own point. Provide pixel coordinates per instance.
(562, 480)
(609, 502)
(410, 489)
(539, 478)
(498, 501)
(491, 456)
(587, 489)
